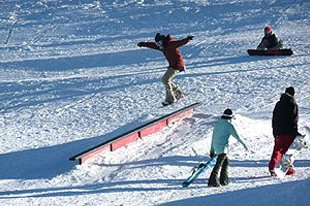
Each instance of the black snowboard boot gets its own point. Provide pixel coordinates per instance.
(213, 180)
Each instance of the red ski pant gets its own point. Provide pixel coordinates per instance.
(281, 145)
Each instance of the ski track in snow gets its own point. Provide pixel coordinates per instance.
(71, 76)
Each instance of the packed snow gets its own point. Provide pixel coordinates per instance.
(72, 76)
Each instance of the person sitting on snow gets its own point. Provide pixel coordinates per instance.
(270, 40)
(223, 128)
(170, 48)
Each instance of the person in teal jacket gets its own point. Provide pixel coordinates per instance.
(222, 130)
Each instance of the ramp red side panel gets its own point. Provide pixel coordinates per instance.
(93, 153)
(124, 141)
(132, 135)
(180, 116)
(153, 128)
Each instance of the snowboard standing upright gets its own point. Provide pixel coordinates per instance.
(197, 170)
(288, 158)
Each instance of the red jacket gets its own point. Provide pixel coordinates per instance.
(171, 51)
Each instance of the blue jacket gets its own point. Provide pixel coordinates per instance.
(222, 130)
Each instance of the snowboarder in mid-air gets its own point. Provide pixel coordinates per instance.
(223, 128)
(270, 41)
(170, 48)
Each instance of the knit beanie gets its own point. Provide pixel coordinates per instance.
(228, 114)
(290, 91)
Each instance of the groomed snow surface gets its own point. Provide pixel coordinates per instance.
(72, 76)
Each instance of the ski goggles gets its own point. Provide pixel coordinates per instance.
(160, 44)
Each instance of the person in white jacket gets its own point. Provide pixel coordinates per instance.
(223, 128)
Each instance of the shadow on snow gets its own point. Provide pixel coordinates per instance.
(51, 161)
(285, 194)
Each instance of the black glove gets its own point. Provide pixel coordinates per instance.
(201, 165)
(298, 134)
(139, 44)
(212, 154)
(190, 37)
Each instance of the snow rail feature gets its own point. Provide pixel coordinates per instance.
(134, 134)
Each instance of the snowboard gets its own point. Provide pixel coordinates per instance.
(179, 99)
(288, 158)
(277, 52)
(197, 170)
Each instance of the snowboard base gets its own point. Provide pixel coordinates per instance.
(276, 52)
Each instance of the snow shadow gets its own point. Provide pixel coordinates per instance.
(69, 63)
(75, 90)
(147, 185)
(99, 188)
(225, 61)
(119, 186)
(48, 162)
(229, 62)
(285, 194)
(264, 163)
(191, 161)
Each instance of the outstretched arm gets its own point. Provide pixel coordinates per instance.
(234, 133)
(150, 45)
(181, 42)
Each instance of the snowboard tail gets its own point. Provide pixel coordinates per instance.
(276, 52)
(284, 165)
(197, 170)
(288, 158)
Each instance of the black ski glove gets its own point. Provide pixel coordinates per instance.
(298, 134)
(190, 37)
(212, 154)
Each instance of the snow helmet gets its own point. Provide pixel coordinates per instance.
(159, 37)
(268, 30)
(290, 90)
(160, 41)
(228, 114)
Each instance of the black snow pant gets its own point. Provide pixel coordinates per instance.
(221, 164)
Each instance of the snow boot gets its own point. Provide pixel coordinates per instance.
(165, 103)
(272, 173)
(213, 181)
(180, 96)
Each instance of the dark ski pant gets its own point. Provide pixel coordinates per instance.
(281, 145)
(221, 165)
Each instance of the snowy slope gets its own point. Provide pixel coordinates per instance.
(71, 76)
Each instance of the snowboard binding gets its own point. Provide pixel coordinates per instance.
(195, 168)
